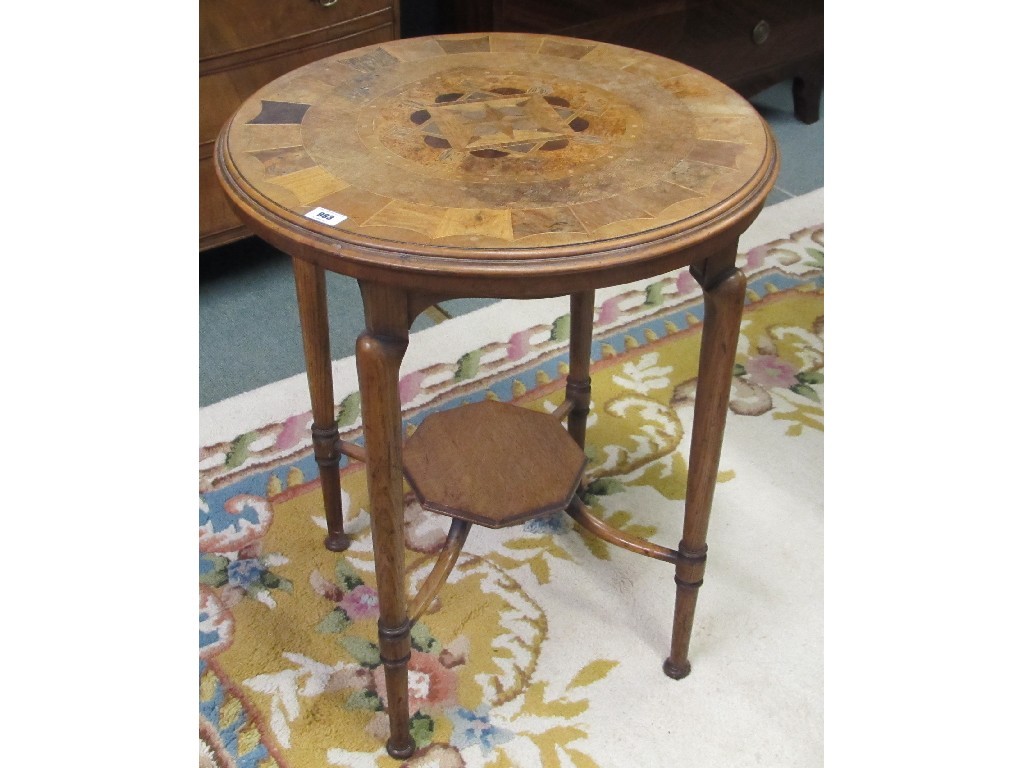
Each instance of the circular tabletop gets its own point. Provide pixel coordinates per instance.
(486, 154)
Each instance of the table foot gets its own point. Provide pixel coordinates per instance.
(400, 752)
(677, 665)
(328, 458)
(337, 542)
(395, 653)
(676, 672)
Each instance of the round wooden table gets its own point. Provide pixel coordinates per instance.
(497, 165)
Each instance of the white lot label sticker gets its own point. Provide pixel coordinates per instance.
(325, 216)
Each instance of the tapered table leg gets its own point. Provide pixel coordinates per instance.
(577, 386)
(724, 291)
(311, 290)
(379, 353)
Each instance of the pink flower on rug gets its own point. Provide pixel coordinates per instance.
(409, 386)
(430, 682)
(756, 256)
(771, 371)
(609, 311)
(361, 603)
(686, 285)
(518, 344)
(292, 431)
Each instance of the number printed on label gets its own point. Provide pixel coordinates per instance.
(325, 216)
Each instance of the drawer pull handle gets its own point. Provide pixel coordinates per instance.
(761, 31)
(327, 3)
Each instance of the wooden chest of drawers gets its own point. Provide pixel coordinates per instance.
(747, 44)
(243, 45)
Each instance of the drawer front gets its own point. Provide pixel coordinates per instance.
(235, 27)
(218, 223)
(738, 42)
(732, 40)
(591, 19)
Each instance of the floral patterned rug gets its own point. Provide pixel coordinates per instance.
(545, 647)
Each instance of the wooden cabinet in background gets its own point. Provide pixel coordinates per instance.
(243, 45)
(747, 44)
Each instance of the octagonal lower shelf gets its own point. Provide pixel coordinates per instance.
(493, 464)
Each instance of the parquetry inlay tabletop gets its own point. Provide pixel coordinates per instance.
(478, 145)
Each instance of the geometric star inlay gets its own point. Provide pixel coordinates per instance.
(499, 122)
